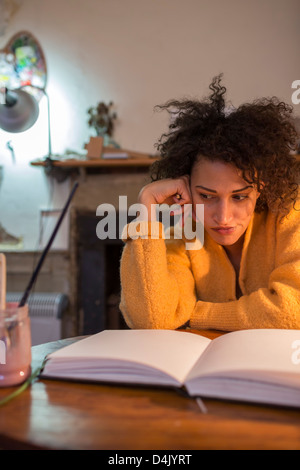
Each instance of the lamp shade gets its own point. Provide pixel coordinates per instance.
(19, 112)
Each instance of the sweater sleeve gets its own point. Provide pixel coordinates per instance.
(157, 285)
(277, 306)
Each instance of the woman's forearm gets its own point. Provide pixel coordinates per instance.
(156, 291)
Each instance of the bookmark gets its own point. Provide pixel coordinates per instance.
(2, 281)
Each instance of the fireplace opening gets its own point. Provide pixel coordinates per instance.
(97, 280)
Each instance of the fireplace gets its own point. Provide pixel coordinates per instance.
(95, 263)
(97, 279)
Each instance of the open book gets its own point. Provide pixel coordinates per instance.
(249, 365)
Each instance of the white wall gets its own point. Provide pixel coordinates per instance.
(138, 53)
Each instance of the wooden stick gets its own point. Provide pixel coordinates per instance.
(47, 248)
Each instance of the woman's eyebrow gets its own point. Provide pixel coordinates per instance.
(213, 191)
(243, 189)
(206, 189)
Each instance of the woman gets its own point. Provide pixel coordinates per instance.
(239, 164)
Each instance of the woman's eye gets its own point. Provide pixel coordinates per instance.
(240, 197)
(236, 197)
(206, 196)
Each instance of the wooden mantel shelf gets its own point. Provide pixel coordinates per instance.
(83, 162)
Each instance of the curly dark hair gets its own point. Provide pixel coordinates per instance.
(258, 138)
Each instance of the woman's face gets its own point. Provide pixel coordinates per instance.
(229, 201)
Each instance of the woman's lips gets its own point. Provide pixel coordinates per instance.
(224, 230)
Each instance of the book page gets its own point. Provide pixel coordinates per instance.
(173, 352)
(265, 354)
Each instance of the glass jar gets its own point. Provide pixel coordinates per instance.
(15, 345)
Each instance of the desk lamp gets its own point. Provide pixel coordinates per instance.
(19, 111)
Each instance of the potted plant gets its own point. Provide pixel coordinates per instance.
(102, 118)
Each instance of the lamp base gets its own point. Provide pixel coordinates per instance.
(9, 241)
(59, 174)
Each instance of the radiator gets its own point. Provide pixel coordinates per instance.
(45, 311)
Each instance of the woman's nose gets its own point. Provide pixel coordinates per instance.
(223, 214)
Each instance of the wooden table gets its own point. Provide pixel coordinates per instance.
(54, 414)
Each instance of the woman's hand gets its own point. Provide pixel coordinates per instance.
(167, 191)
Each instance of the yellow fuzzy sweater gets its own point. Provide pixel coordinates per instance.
(165, 286)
